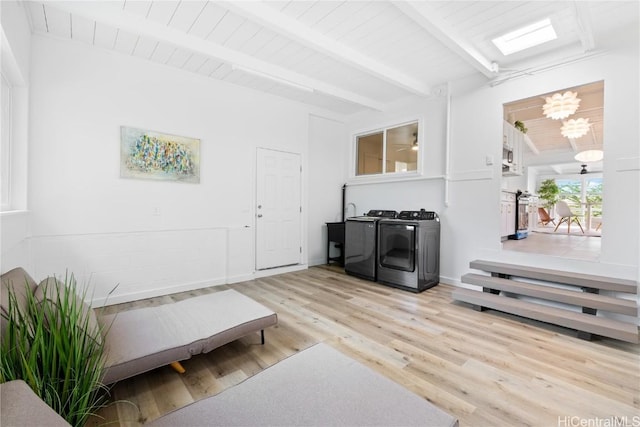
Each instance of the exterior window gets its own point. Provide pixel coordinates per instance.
(583, 194)
(391, 150)
(5, 146)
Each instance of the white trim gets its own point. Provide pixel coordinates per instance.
(397, 177)
(628, 164)
(155, 292)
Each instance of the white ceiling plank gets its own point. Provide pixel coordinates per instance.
(162, 53)
(209, 67)
(195, 63)
(246, 32)
(259, 41)
(144, 48)
(295, 9)
(344, 13)
(162, 11)
(187, 14)
(426, 16)
(318, 12)
(135, 24)
(226, 28)
(137, 7)
(58, 21)
(82, 29)
(290, 27)
(36, 12)
(207, 21)
(104, 35)
(179, 58)
(125, 42)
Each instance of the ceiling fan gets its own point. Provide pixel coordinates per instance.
(414, 144)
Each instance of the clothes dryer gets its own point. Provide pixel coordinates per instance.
(409, 250)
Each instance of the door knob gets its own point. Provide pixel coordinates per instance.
(259, 215)
(259, 206)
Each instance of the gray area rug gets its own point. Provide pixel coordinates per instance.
(317, 387)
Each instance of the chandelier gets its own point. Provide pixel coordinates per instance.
(575, 128)
(561, 106)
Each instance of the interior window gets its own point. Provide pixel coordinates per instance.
(391, 150)
(370, 153)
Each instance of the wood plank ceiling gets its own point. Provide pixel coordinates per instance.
(346, 57)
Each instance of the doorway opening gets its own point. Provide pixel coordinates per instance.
(542, 149)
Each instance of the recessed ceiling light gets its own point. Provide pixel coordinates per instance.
(526, 37)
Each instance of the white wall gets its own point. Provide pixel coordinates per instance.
(326, 165)
(470, 219)
(104, 228)
(14, 226)
(476, 127)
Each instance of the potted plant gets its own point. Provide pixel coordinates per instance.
(520, 126)
(548, 192)
(51, 344)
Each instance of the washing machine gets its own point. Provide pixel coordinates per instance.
(409, 250)
(360, 243)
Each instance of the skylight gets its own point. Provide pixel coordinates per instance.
(526, 37)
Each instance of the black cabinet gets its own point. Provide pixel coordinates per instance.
(335, 232)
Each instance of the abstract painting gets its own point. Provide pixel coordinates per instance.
(147, 154)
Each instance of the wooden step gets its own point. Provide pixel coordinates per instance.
(580, 299)
(569, 319)
(558, 276)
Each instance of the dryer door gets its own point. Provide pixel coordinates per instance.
(397, 248)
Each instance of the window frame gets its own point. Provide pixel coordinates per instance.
(387, 176)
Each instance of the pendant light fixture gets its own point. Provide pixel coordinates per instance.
(560, 106)
(575, 128)
(589, 156)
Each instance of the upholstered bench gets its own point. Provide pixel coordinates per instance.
(318, 386)
(143, 339)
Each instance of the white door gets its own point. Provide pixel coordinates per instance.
(278, 209)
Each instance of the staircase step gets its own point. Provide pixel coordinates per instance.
(558, 276)
(582, 322)
(580, 299)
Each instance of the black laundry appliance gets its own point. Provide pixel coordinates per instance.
(409, 250)
(360, 243)
(522, 216)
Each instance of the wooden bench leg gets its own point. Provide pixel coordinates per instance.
(262, 336)
(177, 366)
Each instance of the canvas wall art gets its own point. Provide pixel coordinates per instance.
(147, 154)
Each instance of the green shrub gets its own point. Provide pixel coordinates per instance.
(53, 345)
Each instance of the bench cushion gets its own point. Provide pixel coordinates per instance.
(22, 407)
(316, 387)
(143, 339)
(22, 283)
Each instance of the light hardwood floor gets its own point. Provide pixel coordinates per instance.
(485, 368)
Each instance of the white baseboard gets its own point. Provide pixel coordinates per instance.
(156, 292)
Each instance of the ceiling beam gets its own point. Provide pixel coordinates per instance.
(585, 29)
(532, 146)
(429, 19)
(283, 24)
(110, 14)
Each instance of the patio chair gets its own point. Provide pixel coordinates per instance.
(566, 215)
(544, 217)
